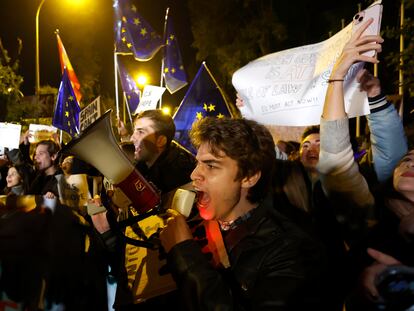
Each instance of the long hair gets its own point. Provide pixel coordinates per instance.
(25, 172)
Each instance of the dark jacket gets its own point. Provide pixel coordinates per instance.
(171, 170)
(45, 183)
(57, 248)
(274, 266)
(319, 217)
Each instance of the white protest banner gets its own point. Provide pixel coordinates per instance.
(9, 135)
(150, 97)
(288, 88)
(40, 132)
(90, 114)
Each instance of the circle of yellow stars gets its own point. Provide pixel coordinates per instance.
(208, 108)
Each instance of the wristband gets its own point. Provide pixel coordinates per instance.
(335, 80)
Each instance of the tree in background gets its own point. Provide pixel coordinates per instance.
(393, 58)
(229, 34)
(10, 81)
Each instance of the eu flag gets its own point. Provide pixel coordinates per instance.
(174, 74)
(204, 98)
(133, 34)
(129, 86)
(65, 63)
(67, 109)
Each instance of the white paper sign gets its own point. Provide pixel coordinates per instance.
(90, 114)
(288, 87)
(9, 135)
(73, 190)
(40, 132)
(150, 98)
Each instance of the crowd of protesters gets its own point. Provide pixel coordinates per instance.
(309, 225)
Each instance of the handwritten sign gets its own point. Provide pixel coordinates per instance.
(150, 97)
(39, 132)
(288, 88)
(73, 190)
(9, 135)
(90, 114)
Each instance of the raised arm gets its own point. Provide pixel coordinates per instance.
(339, 172)
(388, 140)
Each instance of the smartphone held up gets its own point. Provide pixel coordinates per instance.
(375, 12)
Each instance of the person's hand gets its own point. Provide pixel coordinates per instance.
(100, 222)
(25, 137)
(382, 261)
(3, 160)
(50, 195)
(368, 83)
(122, 131)
(176, 230)
(239, 101)
(353, 50)
(56, 139)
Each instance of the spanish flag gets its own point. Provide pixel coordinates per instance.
(65, 63)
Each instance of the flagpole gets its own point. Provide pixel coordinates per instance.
(127, 106)
(219, 88)
(358, 119)
(400, 71)
(116, 85)
(163, 54)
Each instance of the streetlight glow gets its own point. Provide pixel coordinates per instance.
(75, 3)
(39, 7)
(141, 79)
(166, 110)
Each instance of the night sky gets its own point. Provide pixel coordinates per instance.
(87, 33)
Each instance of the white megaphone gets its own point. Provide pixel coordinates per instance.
(98, 147)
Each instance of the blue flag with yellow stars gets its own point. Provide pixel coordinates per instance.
(130, 88)
(67, 109)
(134, 35)
(204, 98)
(174, 74)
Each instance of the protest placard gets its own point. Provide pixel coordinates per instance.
(9, 135)
(90, 114)
(73, 190)
(288, 88)
(40, 132)
(150, 97)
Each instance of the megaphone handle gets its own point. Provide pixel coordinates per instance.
(140, 243)
(133, 220)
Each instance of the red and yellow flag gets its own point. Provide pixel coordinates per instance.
(65, 62)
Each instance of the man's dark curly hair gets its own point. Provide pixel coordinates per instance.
(247, 142)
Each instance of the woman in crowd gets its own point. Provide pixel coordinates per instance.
(18, 179)
(395, 202)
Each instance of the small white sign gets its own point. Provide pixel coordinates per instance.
(150, 97)
(73, 190)
(9, 135)
(90, 114)
(38, 132)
